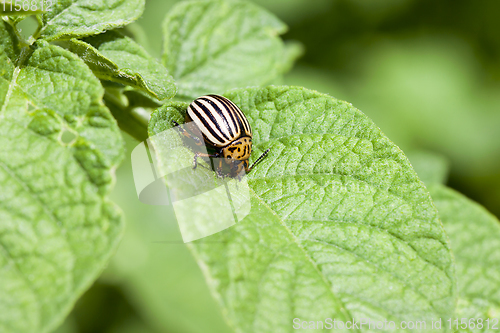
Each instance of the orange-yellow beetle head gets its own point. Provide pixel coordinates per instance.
(238, 150)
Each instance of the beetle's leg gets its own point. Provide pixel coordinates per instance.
(219, 169)
(197, 140)
(237, 173)
(198, 154)
(264, 154)
(237, 168)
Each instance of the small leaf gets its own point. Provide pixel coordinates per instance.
(293, 51)
(112, 56)
(213, 46)
(60, 146)
(340, 226)
(430, 167)
(80, 18)
(475, 239)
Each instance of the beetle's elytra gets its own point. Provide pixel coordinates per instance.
(225, 130)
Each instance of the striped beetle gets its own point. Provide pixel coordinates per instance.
(225, 129)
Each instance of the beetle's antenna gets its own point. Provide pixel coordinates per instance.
(264, 154)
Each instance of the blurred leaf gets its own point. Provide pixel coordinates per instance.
(79, 18)
(132, 326)
(156, 270)
(294, 10)
(340, 226)
(421, 92)
(68, 326)
(293, 51)
(475, 239)
(151, 20)
(112, 56)
(430, 167)
(287, 10)
(317, 79)
(425, 93)
(137, 33)
(60, 146)
(213, 46)
(378, 10)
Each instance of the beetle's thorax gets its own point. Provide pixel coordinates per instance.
(239, 149)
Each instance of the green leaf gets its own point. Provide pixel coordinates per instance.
(213, 46)
(60, 146)
(171, 297)
(475, 239)
(79, 18)
(430, 167)
(112, 56)
(340, 226)
(132, 120)
(293, 51)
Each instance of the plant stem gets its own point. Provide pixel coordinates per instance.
(36, 34)
(129, 120)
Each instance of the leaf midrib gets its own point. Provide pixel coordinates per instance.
(323, 278)
(385, 231)
(388, 232)
(12, 84)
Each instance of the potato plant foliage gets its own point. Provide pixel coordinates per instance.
(341, 226)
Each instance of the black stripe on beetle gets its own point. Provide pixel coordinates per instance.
(227, 117)
(229, 106)
(226, 130)
(204, 116)
(242, 120)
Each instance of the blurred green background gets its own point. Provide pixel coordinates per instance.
(427, 72)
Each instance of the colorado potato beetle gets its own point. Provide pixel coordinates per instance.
(225, 130)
